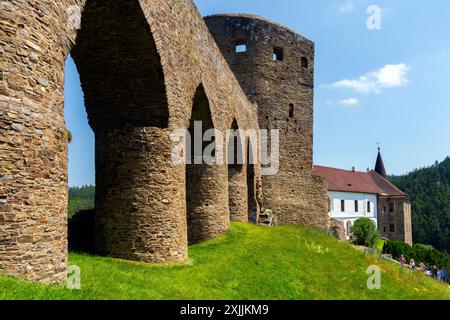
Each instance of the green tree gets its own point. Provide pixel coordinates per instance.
(81, 198)
(365, 233)
(429, 189)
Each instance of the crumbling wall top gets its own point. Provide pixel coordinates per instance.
(263, 20)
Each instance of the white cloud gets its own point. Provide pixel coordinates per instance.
(349, 102)
(389, 76)
(346, 7)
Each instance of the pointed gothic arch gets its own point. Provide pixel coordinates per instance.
(125, 96)
(237, 175)
(206, 201)
(252, 202)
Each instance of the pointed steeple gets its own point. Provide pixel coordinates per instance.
(379, 166)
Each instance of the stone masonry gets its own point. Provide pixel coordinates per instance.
(147, 68)
(394, 218)
(276, 70)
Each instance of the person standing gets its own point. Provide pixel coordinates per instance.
(412, 265)
(402, 261)
(442, 275)
(422, 267)
(434, 272)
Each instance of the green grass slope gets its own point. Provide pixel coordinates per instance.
(249, 262)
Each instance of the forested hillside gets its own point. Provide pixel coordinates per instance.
(429, 189)
(81, 198)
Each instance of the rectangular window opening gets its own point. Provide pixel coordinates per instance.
(278, 54)
(368, 206)
(291, 110)
(356, 206)
(304, 62)
(391, 207)
(343, 205)
(392, 227)
(241, 47)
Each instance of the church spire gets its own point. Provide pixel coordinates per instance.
(379, 166)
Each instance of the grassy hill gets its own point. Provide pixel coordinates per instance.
(249, 262)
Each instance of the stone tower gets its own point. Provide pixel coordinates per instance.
(394, 210)
(275, 67)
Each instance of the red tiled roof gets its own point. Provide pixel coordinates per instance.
(360, 182)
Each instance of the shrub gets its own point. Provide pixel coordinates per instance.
(365, 233)
(397, 248)
(419, 252)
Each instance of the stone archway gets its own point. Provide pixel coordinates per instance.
(237, 176)
(251, 185)
(139, 202)
(122, 77)
(206, 185)
(141, 195)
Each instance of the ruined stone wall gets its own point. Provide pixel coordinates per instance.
(283, 87)
(238, 181)
(238, 191)
(139, 197)
(140, 64)
(396, 224)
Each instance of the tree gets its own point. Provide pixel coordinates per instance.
(365, 233)
(429, 189)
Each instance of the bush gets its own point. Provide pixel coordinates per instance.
(419, 252)
(397, 248)
(365, 233)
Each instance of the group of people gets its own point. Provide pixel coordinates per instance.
(430, 271)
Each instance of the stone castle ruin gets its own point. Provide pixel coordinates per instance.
(147, 68)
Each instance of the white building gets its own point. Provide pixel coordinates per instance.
(350, 206)
(353, 195)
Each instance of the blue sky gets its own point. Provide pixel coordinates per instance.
(388, 86)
